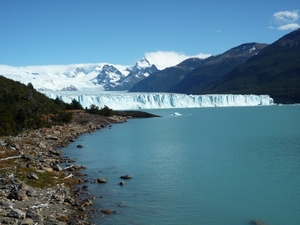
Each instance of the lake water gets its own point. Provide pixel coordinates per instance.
(210, 166)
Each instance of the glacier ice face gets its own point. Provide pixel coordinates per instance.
(126, 100)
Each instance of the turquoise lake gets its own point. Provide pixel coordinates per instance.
(210, 166)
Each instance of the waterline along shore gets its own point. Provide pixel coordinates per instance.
(34, 186)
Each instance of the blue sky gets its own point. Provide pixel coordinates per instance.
(123, 31)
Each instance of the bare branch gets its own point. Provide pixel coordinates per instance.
(11, 157)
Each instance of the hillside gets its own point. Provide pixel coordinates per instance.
(22, 107)
(215, 67)
(193, 74)
(274, 71)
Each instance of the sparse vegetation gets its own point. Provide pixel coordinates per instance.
(105, 111)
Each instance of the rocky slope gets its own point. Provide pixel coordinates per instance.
(34, 188)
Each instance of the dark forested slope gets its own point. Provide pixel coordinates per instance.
(215, 67)
(22, 107)
(274, 71)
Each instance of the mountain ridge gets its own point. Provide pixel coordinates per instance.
(185, 76)
(275, 71)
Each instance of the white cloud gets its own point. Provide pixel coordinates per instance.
(291, 26)
(285, 17)
(164, 59)
(285, 20)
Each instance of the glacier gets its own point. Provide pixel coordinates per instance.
(134, 100)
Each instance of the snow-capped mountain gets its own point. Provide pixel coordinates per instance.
(114, 80)
(140, 71)
(97, 76)
(109, 76)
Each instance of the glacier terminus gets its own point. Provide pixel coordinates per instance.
(149, 100)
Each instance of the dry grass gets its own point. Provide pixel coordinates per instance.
(46, 179)
(7, 164)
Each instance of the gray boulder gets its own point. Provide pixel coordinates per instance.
(36, 217)
(19, 195)
(258, 222)
(56, 167)
(32, 176)
(55, 152)
(126, 177)
(31, 193)
(51, 137)
(16, 213)
(7, 204)
(26, 221)
(78, 167)
(27, 157)
(100, 180)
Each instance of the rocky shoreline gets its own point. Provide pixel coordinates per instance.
(34, 188)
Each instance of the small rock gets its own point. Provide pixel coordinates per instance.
(78, 167)
(7, 204)
(27, 157)
(50, 137)
(31, 193)
(127, 177)
(101, 180)
(42, 145)
(48, 169)
(77, 174)
(70, 201)
(57, 198)
(258, 222)
(85, 188)
(41, 159)
(24, 186)
(19, 195)
(16, 213)
(122, 183)
(57, 167)
(2, 142)
(17, 146)
(3, 181)
(107, 211)
(26, 221)
(36, 217)
(32, 176)
(87, 202)
(79, 146)
(62, 217)
(55, 152)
